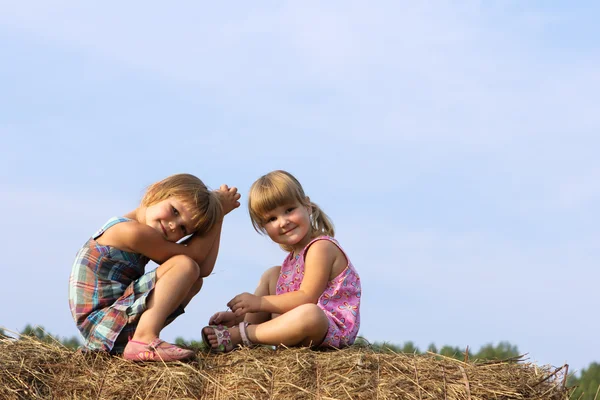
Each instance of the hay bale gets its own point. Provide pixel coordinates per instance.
(30, 369)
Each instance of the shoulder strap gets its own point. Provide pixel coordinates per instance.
(328, 238)
(110, 223)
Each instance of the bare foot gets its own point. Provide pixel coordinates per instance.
(229, 338)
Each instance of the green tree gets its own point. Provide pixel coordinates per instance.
(385, 346)
(409, 347)
(432, 348)
(454, 352)
(71, 343)
(501, 351)
(39, 333)
(587, 384)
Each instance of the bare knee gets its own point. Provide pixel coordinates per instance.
(270, 274)
(314, 324)
(196, 286)
(184, 265)
(269, 279)
(311, 314)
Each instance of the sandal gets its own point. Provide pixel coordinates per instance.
(153, 351)
(224, 344)
(244, 334)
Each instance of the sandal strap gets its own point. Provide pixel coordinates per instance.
(224, 344)
(244, 334)
(155, 343)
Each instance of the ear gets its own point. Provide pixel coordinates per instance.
(308, 207)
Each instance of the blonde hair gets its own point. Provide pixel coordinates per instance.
(279, 188)
(204, 204)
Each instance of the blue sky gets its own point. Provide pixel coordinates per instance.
(454, 145)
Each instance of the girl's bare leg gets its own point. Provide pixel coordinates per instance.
(176, 279)
(193, 291)
(305, 325)
(266, 286)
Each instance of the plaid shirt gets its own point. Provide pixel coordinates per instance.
(107, 292)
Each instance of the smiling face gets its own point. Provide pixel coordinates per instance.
(171, 218)
(289, 225)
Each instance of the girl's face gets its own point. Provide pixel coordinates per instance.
(289, 225)
(171, 218)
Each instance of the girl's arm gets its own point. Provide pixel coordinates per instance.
(318, 265)
(206, 249)
(139, 238)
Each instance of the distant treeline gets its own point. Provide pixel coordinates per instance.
(588, 381)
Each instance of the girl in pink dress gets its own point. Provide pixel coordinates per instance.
(313, 298)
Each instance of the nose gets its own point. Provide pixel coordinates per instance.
(283, 222)
(171, 225)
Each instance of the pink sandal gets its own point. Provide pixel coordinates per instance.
(224, 344)
(153, 351)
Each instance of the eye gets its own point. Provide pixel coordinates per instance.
(271, 219)
(290, 209)
(174, 210)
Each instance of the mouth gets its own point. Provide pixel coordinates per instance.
(163, 229)
(288, 231)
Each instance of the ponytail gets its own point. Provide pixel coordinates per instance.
(320, 222)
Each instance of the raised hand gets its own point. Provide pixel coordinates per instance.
(245, 303)
(229, 198)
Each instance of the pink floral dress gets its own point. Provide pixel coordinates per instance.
(340, 301)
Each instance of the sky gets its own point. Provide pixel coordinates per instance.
(453, 144)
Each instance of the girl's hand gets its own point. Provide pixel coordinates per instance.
(226, 318)
(245, 303)
(229, 198)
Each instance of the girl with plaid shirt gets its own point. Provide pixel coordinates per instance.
(117, 306)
